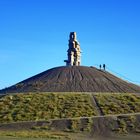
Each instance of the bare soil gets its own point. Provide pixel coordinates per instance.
(73, 79)
(101, 128)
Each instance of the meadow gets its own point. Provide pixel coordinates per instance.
(79, 110)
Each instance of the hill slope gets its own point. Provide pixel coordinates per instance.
(44, 106)
(54, 115)
(73, 79)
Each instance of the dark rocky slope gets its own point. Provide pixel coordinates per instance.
(93, 127)
(73, 79)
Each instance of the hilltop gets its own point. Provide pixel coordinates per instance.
(71, 102)
(73, 79)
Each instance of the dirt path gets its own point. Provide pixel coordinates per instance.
(104, 116)
(96, 105)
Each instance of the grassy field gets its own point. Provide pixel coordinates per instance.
(49, 106)
(118, 103)
(37, 135)
(77, 137)
(19, 138)
(27, 107)
(45, 106)
(113, 104)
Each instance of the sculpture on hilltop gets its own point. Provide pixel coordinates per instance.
(74, 51)
(73, 77)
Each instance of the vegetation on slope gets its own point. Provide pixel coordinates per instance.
(118, 103)
(101, 126)
(44, 106)
(35, 134)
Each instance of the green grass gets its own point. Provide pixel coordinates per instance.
(118, 103)
(19, 138)
(80, 125)
(34, 134)
(44, 106)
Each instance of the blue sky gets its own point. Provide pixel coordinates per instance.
(34, 36)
